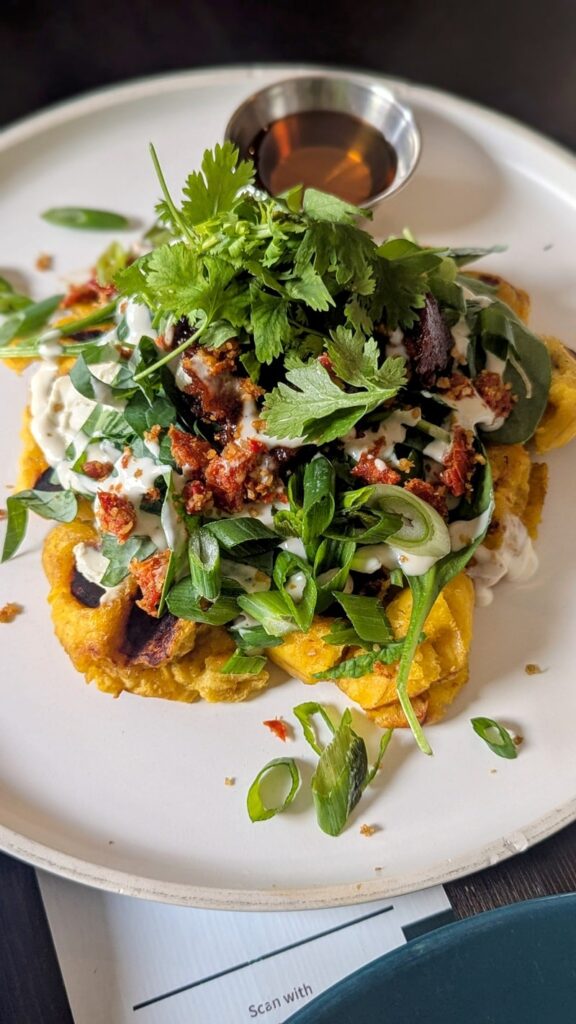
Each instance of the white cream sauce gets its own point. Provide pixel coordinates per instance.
(252, 580)
(372, 557)
(295, 546)
(390, 432)
(464, 531)
(461, 336)
(437, 450)
(91, 564)
(295, 586)
(515, 559)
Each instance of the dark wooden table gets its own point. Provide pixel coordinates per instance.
(518, 58)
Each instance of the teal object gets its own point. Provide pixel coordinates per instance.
(515, 965)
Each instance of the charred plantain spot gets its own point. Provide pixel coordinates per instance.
(84, 591)
(45, 482)
(148, 640)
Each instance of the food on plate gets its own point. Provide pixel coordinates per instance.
(265, 435)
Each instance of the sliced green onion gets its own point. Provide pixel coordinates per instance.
(339, 778)
(319, 504)
(204, 556)
(183, 602)
(28, 320)
(243, 665)
(423, 532)
(495, 736)
(58, 505)
(252, 638)
(85, 218)
(304, 713)
(367, 617)
(244, 536)
(287, 568)
(270, 610)
(384, 741)
(257, 809)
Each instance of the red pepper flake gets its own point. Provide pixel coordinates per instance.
(278, 727)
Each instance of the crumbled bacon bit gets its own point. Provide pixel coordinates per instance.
(227, 473)
(116, 515)
(210, 383)
(368, 830)
(429, 343)
(44, 261)
(90, 291)
(434, 496)
(151, 495)
(374, 470)
(164, 343)
(153, 434)
(497, 395)
(9, 611)
(150, 576)
(458, 386)
(126, 457)
(278, 727)
(196, 497)
(459, 462)
(190, 453)
(97, 470)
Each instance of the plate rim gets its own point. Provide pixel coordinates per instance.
(86, 872)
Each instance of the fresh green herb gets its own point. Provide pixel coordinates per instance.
(59, 505)
(10, 300)
(305, 713)
(272, 772)
(315, 408)
(243, 537)
(362, 664)
(26, 321)
(251, 639)
(120, 555)
(271, 610)
(495, 736)
(367, 617)
(340, 776)
(183, 602)
(204, 555)
(243, 665)
(85, 219)
(318, 498)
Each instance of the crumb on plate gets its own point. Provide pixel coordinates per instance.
(368, 830)
(3, 513)
(44, 261)
(517, 740)
(9, 611)
(229, 780)
(533, 670)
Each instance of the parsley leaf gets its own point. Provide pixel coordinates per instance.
(215, 189)
(318, 410)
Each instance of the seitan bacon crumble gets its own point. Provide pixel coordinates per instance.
(497, 395)
(190, 453)
(115, 515)
(97, 470)
(150, 576)
(459, 462)
(374, 470)
(434, 496)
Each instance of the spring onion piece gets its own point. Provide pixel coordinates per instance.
(339, 779)
(270, 610)
(384, 741)
(257, 809)
(318, 503)
(304, 713)
(183, 602)
(204, 556)
(293, 577)
(251, 639)
(29, 319)
(85, 218)
(423, 531)
(495, 736)
(244, 536)
(243, 665)
(367, 617)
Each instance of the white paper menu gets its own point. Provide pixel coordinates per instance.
(126, 960)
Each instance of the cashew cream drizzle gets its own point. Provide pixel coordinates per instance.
(514, 559)
(390, 432)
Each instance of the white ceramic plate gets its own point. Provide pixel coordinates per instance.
(129, 794)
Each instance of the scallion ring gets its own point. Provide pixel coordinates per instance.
(257, 809)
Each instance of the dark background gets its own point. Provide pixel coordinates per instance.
(518, 56)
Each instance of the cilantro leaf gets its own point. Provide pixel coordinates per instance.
(322, 206)
(310, 288)
(215, 189)
(402, 281)
(269, 324)
(185, 283)
(355, 361)
(317, 409)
